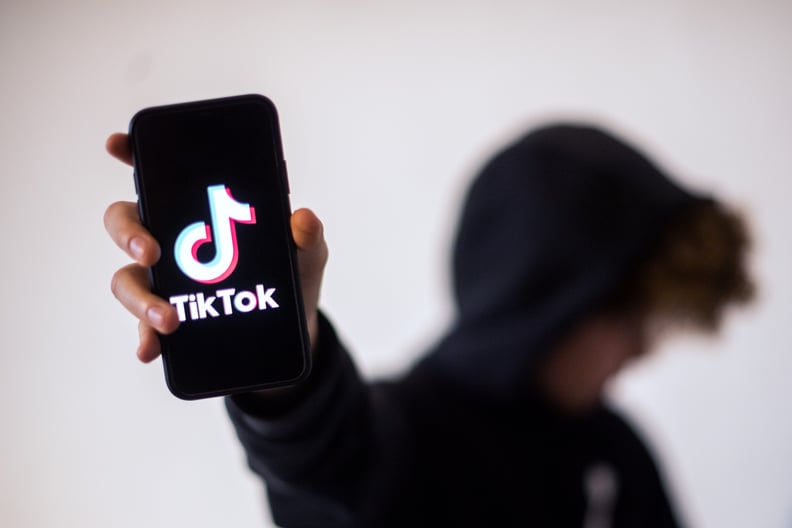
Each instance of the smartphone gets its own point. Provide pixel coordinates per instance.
(213, 190)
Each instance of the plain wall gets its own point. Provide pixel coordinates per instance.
(387, 110)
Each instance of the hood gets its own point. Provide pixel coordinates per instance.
(550, 227)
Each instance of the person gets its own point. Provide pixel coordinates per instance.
(574, 252)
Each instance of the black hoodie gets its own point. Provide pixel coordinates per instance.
(550, 228)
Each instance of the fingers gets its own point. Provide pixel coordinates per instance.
(122, 222)
(118, 147)
(130, 285)
(149, 347)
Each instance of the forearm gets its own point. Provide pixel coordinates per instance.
(311, 445)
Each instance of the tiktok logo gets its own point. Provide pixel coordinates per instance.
(225, 212)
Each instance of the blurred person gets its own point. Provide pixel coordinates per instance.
(573, 250)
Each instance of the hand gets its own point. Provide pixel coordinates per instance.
(131, 285)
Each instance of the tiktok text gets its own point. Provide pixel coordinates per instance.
(201, 306)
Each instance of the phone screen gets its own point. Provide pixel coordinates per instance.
(212, 190)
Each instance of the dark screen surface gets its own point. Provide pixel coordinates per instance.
(212, 190)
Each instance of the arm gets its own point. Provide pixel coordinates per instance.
(314, 447)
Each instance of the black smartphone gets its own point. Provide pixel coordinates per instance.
(213, 190)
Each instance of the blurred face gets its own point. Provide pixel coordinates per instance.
(577, 369)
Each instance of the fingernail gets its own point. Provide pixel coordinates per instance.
(156, 316)
(136, 247)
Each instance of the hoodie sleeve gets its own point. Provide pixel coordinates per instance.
(326, 454)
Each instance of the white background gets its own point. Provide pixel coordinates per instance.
(387, 110)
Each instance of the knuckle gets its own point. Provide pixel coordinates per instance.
(110, 213)
(115, 282)
(114, 226)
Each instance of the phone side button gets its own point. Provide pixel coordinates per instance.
(134, 180)
(285, 176)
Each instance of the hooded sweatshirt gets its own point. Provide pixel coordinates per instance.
(550, 228)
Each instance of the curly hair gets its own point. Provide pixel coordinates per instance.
(696, 270)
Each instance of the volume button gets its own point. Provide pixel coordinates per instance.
(285, 176)
(134, 179)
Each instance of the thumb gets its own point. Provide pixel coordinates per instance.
(312, 253)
